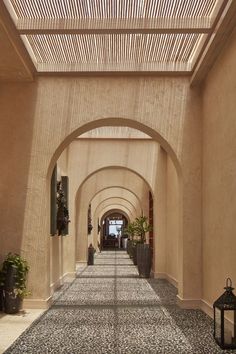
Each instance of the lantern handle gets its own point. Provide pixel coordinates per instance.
(228, 283)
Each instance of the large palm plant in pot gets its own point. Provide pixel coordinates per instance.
(13, 282)
(144, 253)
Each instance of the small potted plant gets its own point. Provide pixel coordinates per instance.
(13, 282)
(144, 254)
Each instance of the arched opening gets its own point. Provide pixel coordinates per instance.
(116, 123)
(113, 224)
(123, 193)
(108, 187)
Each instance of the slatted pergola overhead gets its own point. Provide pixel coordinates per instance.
(115, 35)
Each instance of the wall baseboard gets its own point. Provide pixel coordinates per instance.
(45, 304)
(56, 285)
(207, 308)
(37, 303)
(81, 262)
(172, 280)
(188, 303)
(159, 275)
(69, 277)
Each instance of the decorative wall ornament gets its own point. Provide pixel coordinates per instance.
(62, 211)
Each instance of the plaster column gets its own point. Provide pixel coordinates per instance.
(159, 216)
(190, 208)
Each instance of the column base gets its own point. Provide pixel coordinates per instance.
(188, 303)
(43, 304)
(207, 308)
(169, 278)
(69, 277)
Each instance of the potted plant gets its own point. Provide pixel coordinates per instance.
(132, 242)
(13, 282)
(129, 230)
(144, 253)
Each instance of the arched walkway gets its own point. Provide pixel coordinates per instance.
(120, 192)
(101, 181)
(188, 287)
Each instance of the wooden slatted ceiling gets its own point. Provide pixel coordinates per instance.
(114, 35)
(127, 52)
(101, 9)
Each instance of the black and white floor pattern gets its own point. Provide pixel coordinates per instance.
(108, 309)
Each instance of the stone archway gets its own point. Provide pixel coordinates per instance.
(112, 212)
(90, 188)
(64, 110)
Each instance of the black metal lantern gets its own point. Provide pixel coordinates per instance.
(225, 318)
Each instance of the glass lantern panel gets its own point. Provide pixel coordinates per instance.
(228, 327)
(218, 324)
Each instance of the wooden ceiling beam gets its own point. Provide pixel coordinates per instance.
(108, 26)
(113, 73)
(215, 44)
(115, 67)
(115, 31)
(15, 62)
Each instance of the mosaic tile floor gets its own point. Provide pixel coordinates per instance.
(109, 309)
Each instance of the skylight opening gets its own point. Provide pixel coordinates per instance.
(114, 35)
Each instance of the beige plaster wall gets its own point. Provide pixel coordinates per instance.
(62, 163)
(50, 112)
(56, 262)
(89, 155)
(16, 133)
(219, 175)
(18, 102)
